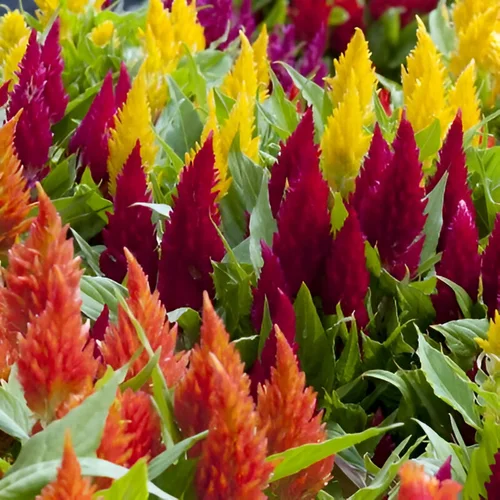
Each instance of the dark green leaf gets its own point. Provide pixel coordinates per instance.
(89, 254)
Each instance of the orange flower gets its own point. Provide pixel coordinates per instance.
(286, 409)
(232, 462)
(417, 485)
(193, 404)
(132, 430)
(69, 484)
(14, 196)
(121, 340)
(56, 362)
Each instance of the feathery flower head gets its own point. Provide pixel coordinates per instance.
(130, 226)
(356, 60)
(121, 341)
(262, 62)
(282, 49)
(13, 29)
(424, 83)
(233, 458)
(214, 16)
(490, 271)
(492, 345)
(12, 62)
(309, 17)
(56, 358)
(193, 404)
(159, 23)
(132, 124)
(123, 86)
(460, 263)
(186, 27)
(344, 141)
(346, 278)
(417, 485)
(101, 35)
(311, 62)
(132, 430)
(69, 484)
(287, 410)
(14, 196)
(296, 156)
(303, 236)
(190, 240)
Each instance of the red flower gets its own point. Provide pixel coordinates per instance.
(309, 17)
(287, 410)
(346, 278)
(99, 329)
(493, 484)
(460, 263)
(490, 271)
(130, 226)
(409, 8)
(342, 34)
(190, 241)
(122, 86)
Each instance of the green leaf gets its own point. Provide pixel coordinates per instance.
(135, 383)
(434, 221)
(189, 320)
(296, 459)
(265, 328)
(61, 178)
(164, 460)
(338, 16)
(315, 350)
(160, 208)
(429, 140)
(89, 254)
(441, 30)
(131, 486)
(463, 299)
(445, 383)
(85, 422)
(97, 291)
(213, 65)
(15, 416)
(349, 364)
(339, 212)
(248, 347)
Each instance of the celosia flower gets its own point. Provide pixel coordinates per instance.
(309, 17)
(69, 484)
(123, 86)
(132, 124)
(187, 29)
(99, 329)
(287, 410)
(262, 62)
(132, 430)
(101, 35)
(368, 183)
(493, 484)
(346, 278)
(55, 359)
(408, 7)
(460, 263)
(296, 156)
(121, 341)
(386, 444)
(402, 204)
(233, 458)
(193, 404)
(303, 236)
(452, 160)
(130, 226)
(311, 63)
(13, 58)
(13, 29)
(215, 17)
(342, 34)
(282, 49)
(190, 240)
(490, 271)
(417, 485)
(14, 204)
(492, 345)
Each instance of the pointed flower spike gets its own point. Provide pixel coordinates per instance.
(121, 341)
(69, 483)
(233, 459)
(14, 196)
(187, 29)
(13, 58)
(102, 34)
(346, 278)
(296, 156)
(417, 485)
(123, 86)
(303, 236)
(193, 404)
(190, 240)
(130, 226)
(132, 124)
(490, 271)
(99, 329)
(402, 205)
(344, 141)
(460, 263)
(424, 83)
(260, 47)
(356, 59)
(13, 29)
(287, 410)
(492, 345)
(368, 183)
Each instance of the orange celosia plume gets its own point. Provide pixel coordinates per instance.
(121, 340)
(286, 409)
(14, 195)
(69, 484)
(417, 485)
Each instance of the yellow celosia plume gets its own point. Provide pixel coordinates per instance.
(13, 29)
(345, 141)
(262, 62)
(187, 29)
(13, 60)
(492, 345)
(132, 123)
(356, 60)
(101, 35)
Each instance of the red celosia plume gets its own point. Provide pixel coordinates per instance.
(490, 271)
(287, 410)
(123, 86)
(309, 17)
(342, 34)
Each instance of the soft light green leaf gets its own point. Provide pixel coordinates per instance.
(131, 486)
(160, 208)
(97, 291)
(135, 383)
(429, 140)
(441, 30)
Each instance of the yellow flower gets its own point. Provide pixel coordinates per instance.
(13, 29)
(159, 22)
(101, 35)
(76, 6)
(345, 142)
(132, 123)
(356, 60)
(186, 26)
(492, 345)
(465, 10)
(424, 83)
(46, 9)
(13, 60)
(262, 62)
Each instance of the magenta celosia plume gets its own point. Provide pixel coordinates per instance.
(122, 86)
(309, 17)
(130, 226)
(460, 263)
(99, 329)
(490, 271)
(190, 241)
